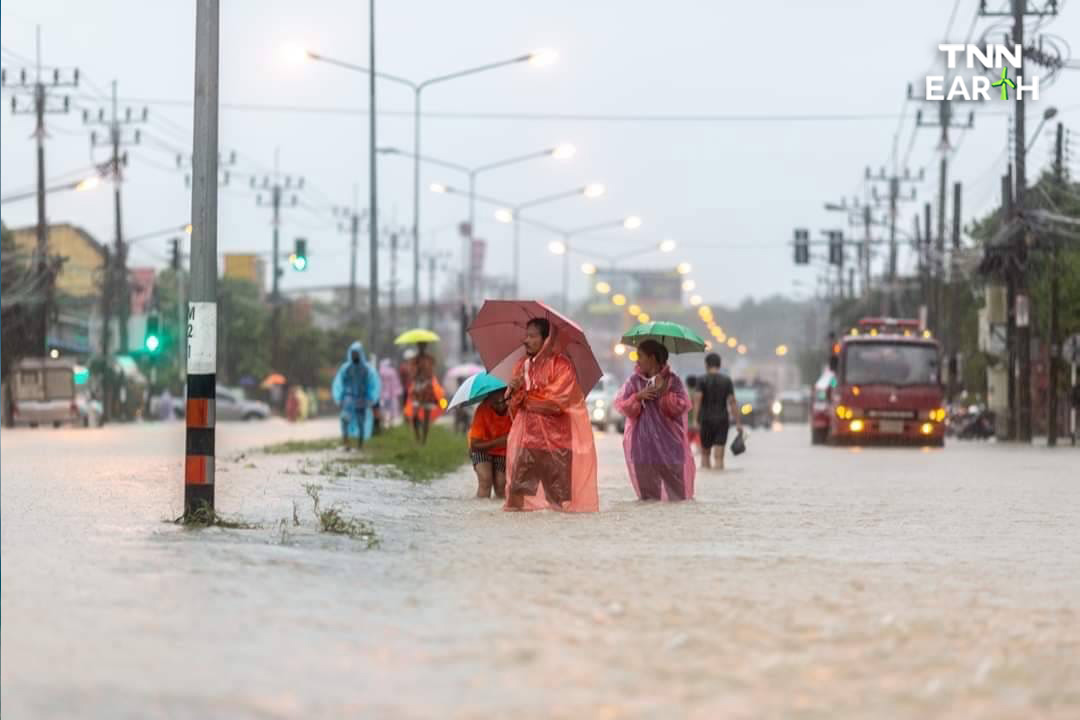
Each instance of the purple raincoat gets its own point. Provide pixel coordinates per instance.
(655, 442)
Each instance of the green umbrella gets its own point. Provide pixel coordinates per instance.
(675, 337)
(475, 389)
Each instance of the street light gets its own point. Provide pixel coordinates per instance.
(689, 285)
(603, 288)
(684, 268)
(558, 247)
(594, 190)
(668, 245)
(1049, 113)
(87, 183)
(564, 151)
(588, 268)
(632, 223)
(539, 58)
(695, 300)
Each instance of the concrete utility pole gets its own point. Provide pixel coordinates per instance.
(1055, 329)
(1010, 304)
(278, 187)
(115, 141)
(1021, 349)
(355, 216)
(41, 103)
(202, 310)
(373, 199)
(954, 289)
(895, 198)
(436, 261)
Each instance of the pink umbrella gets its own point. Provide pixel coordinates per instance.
(499, 327)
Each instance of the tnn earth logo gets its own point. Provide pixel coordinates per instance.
(998, 58)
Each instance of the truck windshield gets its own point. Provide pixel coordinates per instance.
(891, 364)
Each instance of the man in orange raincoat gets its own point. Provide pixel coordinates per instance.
(551, 456)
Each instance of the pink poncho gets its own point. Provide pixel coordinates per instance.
(551, 456)
(655, 442)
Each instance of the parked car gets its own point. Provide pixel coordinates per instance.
(601, 405)
(43, 393)
(233, 405)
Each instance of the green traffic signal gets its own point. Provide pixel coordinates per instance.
(152, 342)
(299, 257)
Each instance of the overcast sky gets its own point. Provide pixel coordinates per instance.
(723, 125)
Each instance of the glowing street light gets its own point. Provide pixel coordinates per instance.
(565, 151)
(620, 349)
(732, 342)
(695, 300)
(438, 188)
(781, 350)
(633, 356)
(619, 299)
(634, 309)
(643, 318)
(741, 350)
(557, 247)
(88, 184)
(684, 268)
(543, 57)
(632, 223)
(588, 268)
(504, 215)
(689, 285)
(594, 190)
(603, 288)
(668, 245)
(295, 54)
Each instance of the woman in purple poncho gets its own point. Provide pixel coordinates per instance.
(655, 404)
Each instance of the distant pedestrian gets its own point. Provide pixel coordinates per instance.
(693, 431)
(355, 390)
(165, 405)
(714, 406)
(490, 429)
(424, 397)
(390, 393)
(655, 441)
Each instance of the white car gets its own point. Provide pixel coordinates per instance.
(601, 405)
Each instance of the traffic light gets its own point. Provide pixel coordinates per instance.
(152, 343)
(299, 256)
(802, 246)
(836, 247)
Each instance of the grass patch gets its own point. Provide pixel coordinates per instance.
(445, 452)
(205, 516)
(302, 446)
(333, 521)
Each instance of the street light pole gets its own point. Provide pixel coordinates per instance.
(542, 57)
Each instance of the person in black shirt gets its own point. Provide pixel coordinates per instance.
(714, 406)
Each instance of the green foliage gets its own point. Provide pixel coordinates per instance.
(444, 452)
(292, 447)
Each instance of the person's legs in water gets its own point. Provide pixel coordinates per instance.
(416, 422)
(500, 477)
(485, 477)
(648, 480)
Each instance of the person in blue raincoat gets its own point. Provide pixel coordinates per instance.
(356, 390)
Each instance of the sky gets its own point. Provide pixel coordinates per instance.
(722, 125)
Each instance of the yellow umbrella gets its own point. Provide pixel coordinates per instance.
(416, 335)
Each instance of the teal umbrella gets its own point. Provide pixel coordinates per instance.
(675, 337)
(475, 389)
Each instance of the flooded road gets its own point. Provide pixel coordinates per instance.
(803, 582)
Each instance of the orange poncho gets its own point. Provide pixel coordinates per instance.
(551, 456)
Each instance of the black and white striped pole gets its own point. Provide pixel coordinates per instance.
(202, 289)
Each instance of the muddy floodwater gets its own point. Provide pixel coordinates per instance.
(803, 582)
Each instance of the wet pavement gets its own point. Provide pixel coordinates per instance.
(803, 582)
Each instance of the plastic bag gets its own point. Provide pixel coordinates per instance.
(738, 445)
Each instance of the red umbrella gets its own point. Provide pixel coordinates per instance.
(499, 327)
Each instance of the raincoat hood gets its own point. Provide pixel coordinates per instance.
(358, 347)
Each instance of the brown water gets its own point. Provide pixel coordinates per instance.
(804, 582)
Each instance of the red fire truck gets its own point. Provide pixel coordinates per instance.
(888, 386)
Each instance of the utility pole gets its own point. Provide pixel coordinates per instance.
(954, 291)
(181, 306)
(895, 197)
(1022, 349)
(117, 161)
(928, 269)
(936, 248)
(355, 217)
(202, 312)
(1010, 303)
(278, 187)
(1055, 330)
(373, 201)
(41, 103)
(436, 261)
